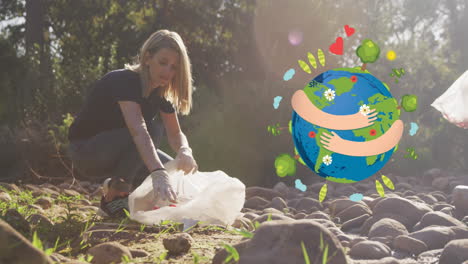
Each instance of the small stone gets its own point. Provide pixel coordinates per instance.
(460, 200)
(243, 223)
(5, 197)
(109, 252)
(40, 220)
(84, 202)
(139, 253)
(36, 207)
(17, 221)
(71, 192)
(178, 243)
(300, 216)
(370, 250)
(44, 202)
(10, 187)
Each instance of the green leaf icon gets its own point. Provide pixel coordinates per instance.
(409, 102)
(285, 165)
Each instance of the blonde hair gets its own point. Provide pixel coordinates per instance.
(179, 90)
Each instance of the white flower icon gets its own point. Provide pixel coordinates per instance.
(364, 109)
(329, 94)
(327, 160)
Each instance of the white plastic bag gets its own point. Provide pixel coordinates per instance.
(210, 197)
(453, 104)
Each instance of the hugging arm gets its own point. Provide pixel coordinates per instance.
(308, 111)
(377, 146)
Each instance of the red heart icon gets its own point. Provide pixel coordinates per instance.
(349, 30)
(337, 47)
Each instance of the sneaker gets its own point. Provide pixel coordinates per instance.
(116, 207)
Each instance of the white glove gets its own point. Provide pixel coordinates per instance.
(162, 187)
(185, 160)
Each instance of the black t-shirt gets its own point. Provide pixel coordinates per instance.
(101, 111)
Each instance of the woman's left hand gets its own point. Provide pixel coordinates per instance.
(185, 160)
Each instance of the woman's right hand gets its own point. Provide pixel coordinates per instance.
(162, 187)
(361, 120)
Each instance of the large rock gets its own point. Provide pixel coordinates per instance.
(434, 237)
(278, 203)
(353, 212)
(256, 203)
(109, 252)
(265, 193)
(403, 210)
(14, 248)
(309, 205)
(318, 215)
(338, 205)
(409, 244)
(264, 217)
(441, 184)
(455, 252)
(282, 188)
(438, 219)
(427, 198)
(370, 250)
(354, 223)
(280, 242)
(460, 200)
(387, 227)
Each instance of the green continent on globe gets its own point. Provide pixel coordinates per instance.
(388, 113)
(341, 85)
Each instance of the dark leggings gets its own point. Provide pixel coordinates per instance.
(113, 154)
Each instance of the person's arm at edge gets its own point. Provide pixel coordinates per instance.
(137, 126)
(175, 136)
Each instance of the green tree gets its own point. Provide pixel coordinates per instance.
(368, 52)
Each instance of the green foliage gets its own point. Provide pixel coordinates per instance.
(285, 165)
(126, 259)
(304, 252)
(37, 243)
(368, 51)
(232, 253)
(243, 233)
(59, 133)
(86, 258)
(409, 102)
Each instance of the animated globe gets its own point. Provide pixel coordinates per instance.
(345, 91)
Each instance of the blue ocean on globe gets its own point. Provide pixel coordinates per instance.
(363, 88)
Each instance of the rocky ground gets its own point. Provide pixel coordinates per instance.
(422, 221)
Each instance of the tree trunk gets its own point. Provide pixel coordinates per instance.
(363, 67)
(37, 74)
